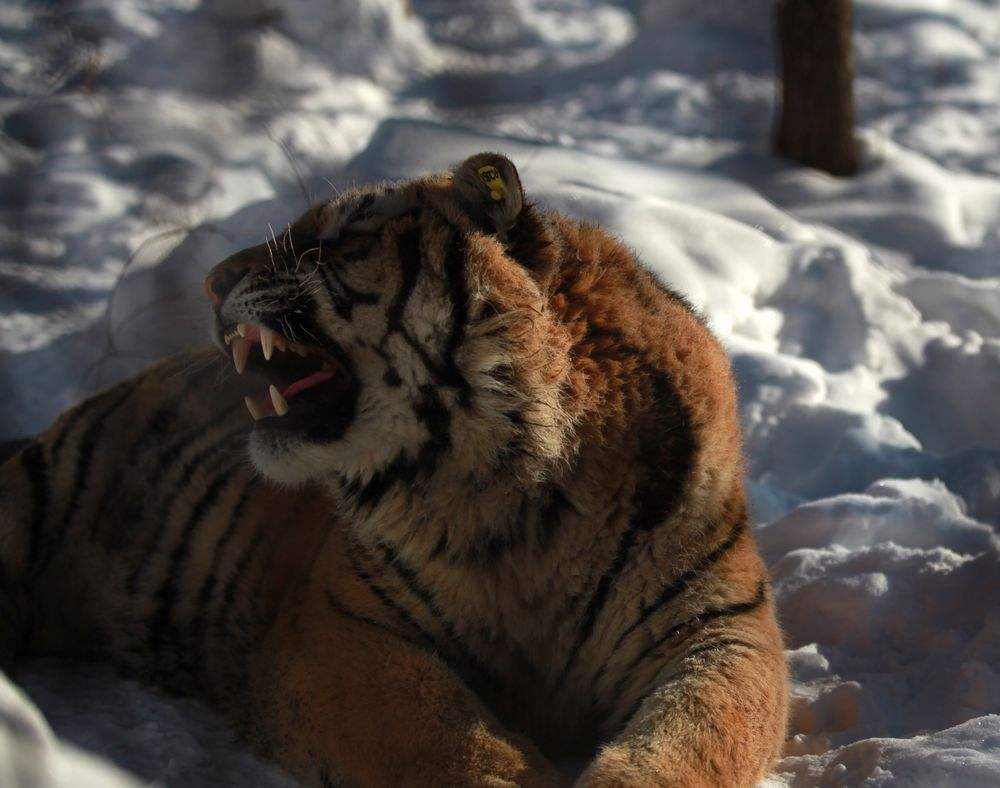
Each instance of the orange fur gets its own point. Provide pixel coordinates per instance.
(571, 574)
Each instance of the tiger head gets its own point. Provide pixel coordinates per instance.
(399, 330)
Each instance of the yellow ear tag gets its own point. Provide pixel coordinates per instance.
(490, 175)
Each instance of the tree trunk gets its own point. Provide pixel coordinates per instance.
(816, 123)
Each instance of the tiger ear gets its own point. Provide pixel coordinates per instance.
(490, 189)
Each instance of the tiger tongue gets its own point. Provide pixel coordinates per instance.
(308, 382)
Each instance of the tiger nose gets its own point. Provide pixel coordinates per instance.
(224, 276)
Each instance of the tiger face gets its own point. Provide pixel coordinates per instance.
(399, 331)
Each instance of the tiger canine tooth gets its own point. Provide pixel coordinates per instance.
(241, 349)
(254, 409)
(280, 405)
(267, 342)
(242, 329)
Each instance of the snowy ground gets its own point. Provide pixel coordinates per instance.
(145, 139)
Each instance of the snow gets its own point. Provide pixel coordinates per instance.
(143, 140)
(31, 756)
(963, 756)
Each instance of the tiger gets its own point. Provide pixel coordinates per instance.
(457, 496)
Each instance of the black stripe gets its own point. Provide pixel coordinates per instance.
(159, 424)
(343, 296)
(489, 548)
(463, 658)
(81, 475)
(680, 583)
(239, 571)
(432, 367)
(356, 296)
(666, 453)
(372, 492)
(350, 246)
(665, 458)
(78, 414)
(689, 626)
(435, 370)
(391, 378)
(339, 607)
(718, 645)
(437, 418)
(33, 462)
(538, 533)
(172, 453)
(168, 496)
(72, 419)
(230, 619)
(549, 523)
(409, 578)
(199, 621)
(400, 471)
(432, 413)
(633, 710)
(408, 250)
(599, 597)
(440, 546)
(156, 428)
(702, 648)
(174, 494)
(454, 269)
(387, 602)
(341, 305)
(161, 627)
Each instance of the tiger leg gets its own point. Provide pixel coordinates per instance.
(715, 715)
(338, 699)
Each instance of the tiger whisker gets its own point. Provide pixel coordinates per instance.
(298, 260)
(275, 239)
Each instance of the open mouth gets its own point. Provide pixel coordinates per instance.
(302, 381)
